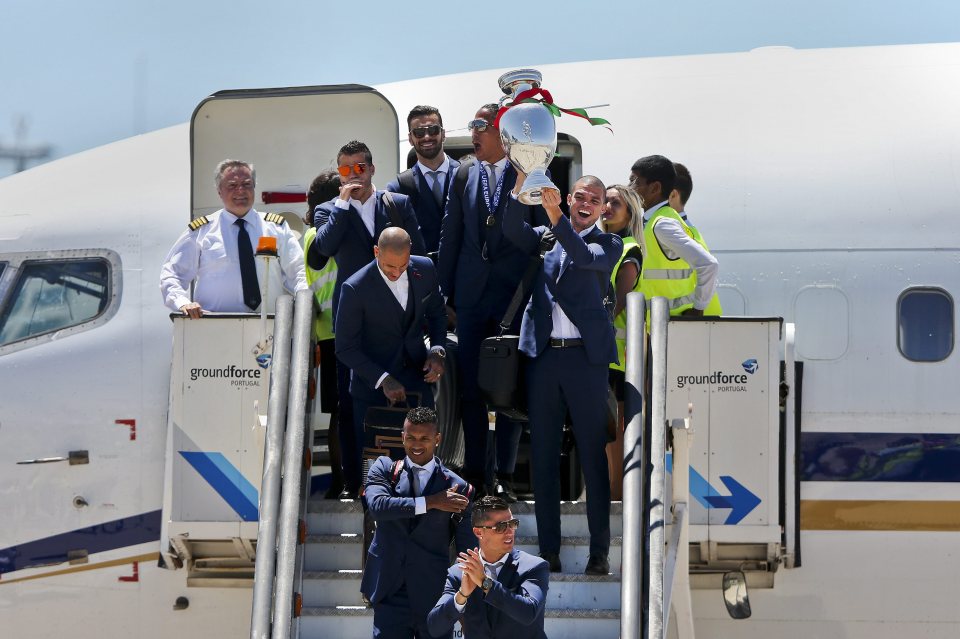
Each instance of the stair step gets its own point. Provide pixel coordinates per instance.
(570, 591)
(357, 621)
(350, 517)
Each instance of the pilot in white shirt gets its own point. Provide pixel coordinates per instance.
(210, 254)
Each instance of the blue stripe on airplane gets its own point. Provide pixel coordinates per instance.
(740, 501)
(119, 533)
(229, 483)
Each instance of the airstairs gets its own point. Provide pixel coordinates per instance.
(696, 514)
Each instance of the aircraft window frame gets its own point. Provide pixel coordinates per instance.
(951, 306)
(15, 268)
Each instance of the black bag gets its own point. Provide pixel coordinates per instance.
(500, 375)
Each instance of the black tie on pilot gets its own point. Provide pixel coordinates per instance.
(248, 268)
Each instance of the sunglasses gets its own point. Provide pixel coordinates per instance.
(480, 125)
(421, 131)
(359, 168)
(502, 526)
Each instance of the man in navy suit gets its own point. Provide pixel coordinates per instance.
(383, 310)
(567, 333)
(480, 271)
(348, 228)
(499, 592)
(418, 505)
(428, 181)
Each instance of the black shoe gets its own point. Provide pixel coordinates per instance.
(505, 490)
(552, 558)
(349, 493)
(597, 565)
(333, 492)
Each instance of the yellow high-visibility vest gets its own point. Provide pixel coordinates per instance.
(673, 279)
(620, 321)
(322, 283)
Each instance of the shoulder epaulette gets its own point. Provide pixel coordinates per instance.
(197, 223)
(276, 218)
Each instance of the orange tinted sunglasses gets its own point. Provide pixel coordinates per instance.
(359, 168)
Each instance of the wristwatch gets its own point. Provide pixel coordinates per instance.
(486, 585)
(439, 351)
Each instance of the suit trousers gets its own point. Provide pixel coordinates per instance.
(473, 326)
(560, 379)
(350, 446)
(393, 619)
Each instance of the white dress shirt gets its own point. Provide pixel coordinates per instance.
(563, 327)
(210, 257)
(401, 291)
(676, 243)
(490, 569)
(440, 170)
(424, 473)
(498, 168)
(367, 209)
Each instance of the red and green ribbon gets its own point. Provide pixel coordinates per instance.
(530, 96)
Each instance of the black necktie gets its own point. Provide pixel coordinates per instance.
(436, 187)
(248, 268)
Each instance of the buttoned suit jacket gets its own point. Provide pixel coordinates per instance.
(474, 280)
(429, 213)
(408, 548)
(373, 336)
(514, 607)
(342, 235)
(579, 283)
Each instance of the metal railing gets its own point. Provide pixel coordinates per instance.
(270, 486)
(657, 445)
(277, 580)
(296, 474)
(631, 586)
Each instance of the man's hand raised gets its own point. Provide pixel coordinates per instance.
(448, 500)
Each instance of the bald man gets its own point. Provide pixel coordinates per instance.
(383, 311)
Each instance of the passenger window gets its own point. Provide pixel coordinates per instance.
(53, 295)
(925, 324)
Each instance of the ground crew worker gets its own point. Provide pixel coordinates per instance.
(675, 265)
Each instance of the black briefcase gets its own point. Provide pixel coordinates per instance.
(500, 376)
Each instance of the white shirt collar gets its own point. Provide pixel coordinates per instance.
(443, 168)
(371, 201)
(653, 209)
(401, 281)
(493, 564)
(430, 466)
(584, 232)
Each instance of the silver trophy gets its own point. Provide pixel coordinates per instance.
(528, 133)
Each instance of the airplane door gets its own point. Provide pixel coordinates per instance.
(290, 136)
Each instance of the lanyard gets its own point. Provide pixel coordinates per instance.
(485, 185)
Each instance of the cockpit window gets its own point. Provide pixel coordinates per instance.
(51, 295)
(925, 324)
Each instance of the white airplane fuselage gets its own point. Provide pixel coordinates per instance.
(825, 182)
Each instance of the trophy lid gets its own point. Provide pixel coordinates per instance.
(511, 79)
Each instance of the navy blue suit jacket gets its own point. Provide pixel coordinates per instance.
(429, 213)
(371, 337)
(408, 548)
(580, 289)
(513, 608)
(342, 235)
(463, 269)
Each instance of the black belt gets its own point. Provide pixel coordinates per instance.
(565, 342)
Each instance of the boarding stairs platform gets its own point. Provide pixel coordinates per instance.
(579, 606)
(709, 493)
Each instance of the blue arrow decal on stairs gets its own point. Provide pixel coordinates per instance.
(740, 501)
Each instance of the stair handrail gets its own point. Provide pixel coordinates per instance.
(634, 469)
(296, 475)
(657, 445)
(265, 566)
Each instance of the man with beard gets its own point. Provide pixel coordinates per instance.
(419, 506)
(217, 252)
(428, 182)
(567, 334)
